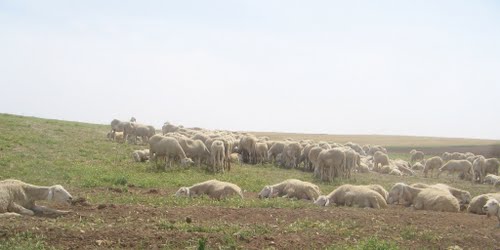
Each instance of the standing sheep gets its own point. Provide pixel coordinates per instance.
(291, 154)
(432, 163)
(195, 149)
(313, 158)
(416, 156)
(213, 188)
(380, 158)
(218, 155)
(331, 163)
(274, 150)
(261, 152)
(18, 198)
(168, 147)
(457, 166)
(291, 188)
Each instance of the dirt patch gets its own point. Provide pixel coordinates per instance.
(138, 226)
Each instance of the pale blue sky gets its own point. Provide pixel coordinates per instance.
(342, 67)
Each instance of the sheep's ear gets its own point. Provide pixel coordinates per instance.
(51, 194)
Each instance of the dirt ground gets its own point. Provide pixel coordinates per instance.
(104, 226)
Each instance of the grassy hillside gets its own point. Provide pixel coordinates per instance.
(78, 156)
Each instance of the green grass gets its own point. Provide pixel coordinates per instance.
(22, 241)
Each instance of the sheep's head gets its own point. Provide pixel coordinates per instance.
(187, 162)
(58, 194)
(396, 194)
(465, 197)
(183, 191)
(491, 207)
(266, 192)
(322, 201)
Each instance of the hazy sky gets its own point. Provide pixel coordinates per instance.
(341, 67)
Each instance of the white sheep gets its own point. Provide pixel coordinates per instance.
(430, 198)
(492, 207)
(18, 198)
(218, 155)
(291, 188)
(416, 156)
(371, 196)
(432, 163)
(457, 166)
(380, 158)
(169, 148)
(462, 195)
(212, 188)
(477, 203)
(491, 179)
(141, 155)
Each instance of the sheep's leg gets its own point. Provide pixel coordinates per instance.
(20, 209)
(42, 209)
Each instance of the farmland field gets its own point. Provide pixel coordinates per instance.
(123, 204)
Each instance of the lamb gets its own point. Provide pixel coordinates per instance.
(331, 164)
(457, 166)
(213, 188)
(492, 207)
(18, 198)
(430, 198)
(141, 155)
(169, 148)
(477, 203)
(371, 196)
(432, 163)
(416, 156)
(218, 155)
(291, 188)
(118, 137)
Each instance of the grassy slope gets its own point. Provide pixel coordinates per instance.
(78, 156)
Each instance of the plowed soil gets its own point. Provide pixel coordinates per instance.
(104, 226)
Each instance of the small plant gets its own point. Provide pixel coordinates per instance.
(122, 180)
(202, 243)
(374, 243)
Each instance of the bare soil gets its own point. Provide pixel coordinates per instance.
(104, 226)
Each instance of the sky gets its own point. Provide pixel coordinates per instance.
(424, 68)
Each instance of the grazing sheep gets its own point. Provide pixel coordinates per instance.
(213, 188)
(291, 154)
(18, 198)
(477, 203)
(291, 188)
(261, 152)
(168, 128)
(304, 157)
(194, 149)
(432, 163)
(247, 149)
(491, 166)
(218, 155)
(380, 158)
(313, 158)
(361, 196)
(168, 147)
(274, 150)
(430, 198)
(331, 164)
(416, 156)
(373, 149)
(457, 166)
(141, 155)
(352, 160)
(492, 207)
(143, 131)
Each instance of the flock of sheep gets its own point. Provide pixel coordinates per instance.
(326, 161)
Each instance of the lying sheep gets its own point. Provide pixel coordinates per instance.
(457, 166)
(491, 179)
(213, 188)
(430, 198)
(463, 196)
(18, 198)
(477, 203)
(291, 188)
(141, 155)
(432, 163)
(492, 207)
(361, 196)
(417, 166)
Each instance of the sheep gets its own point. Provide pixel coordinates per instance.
(291, 154)
(194, 149)
(304, 156)
(432, 163)
(477, 203)
(352, 160)
(261, 152)
(380, 158)
(362, 168)
(491, 166)
(18, 198)
(463, 196)
(213, 188)
(404, 167)
(141, 155)
(291, 188)
(218, 155)
(417, 166)
(274, 150)
(313, 158)
(430, 198)
(331, 164)
(169, 148)
(373, 149)
(416, 156)
(363, 196)
(143, 131)
(118, 137)
(491, 179)
(492, 207)
(247, 148)
(457, 166)
(396, 172)
(169, 128)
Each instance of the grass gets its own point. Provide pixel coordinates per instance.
(79, 157)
